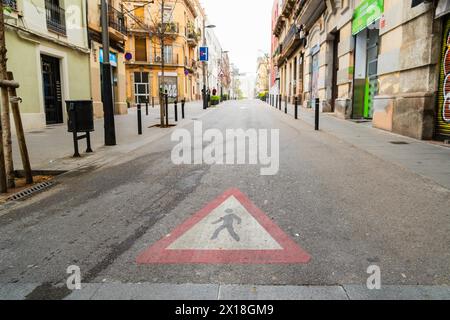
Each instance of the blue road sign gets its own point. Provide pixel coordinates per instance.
(204, 53)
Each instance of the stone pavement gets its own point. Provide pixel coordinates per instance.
(421, 157)
(52, 148)
(148, 291)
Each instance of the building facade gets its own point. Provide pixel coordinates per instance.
(262, 75)
(373, 60)
(118, 35)
(48, 54)
(144, 56)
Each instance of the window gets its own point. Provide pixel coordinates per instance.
(56, 17)
(141, 87)
(140, 47)
(168, 54)
(167, 14)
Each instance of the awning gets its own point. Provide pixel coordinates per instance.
(443, 8)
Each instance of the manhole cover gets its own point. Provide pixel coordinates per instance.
(399, 142)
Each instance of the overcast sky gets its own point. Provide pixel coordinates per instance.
(243, 28)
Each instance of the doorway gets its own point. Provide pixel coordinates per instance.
(334, 86)
(51, 81)
(366, 72)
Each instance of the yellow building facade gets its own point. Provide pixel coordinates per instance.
(144, 57)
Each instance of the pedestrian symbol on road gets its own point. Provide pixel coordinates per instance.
(227, 223)
(229, 230)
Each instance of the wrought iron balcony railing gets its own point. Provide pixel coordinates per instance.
(10, 4)
(56, 18)
(117, 20)
(168, 60)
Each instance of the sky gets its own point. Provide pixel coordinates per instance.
(243, 27)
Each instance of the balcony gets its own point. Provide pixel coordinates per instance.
(168, 60)
(193, 38)
(287, 8)
(56, 18)
(170, 28)
(190, 65)
(293, 40)
(10, 4)
(117, 20)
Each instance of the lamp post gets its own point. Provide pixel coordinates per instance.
(205, 103)
(108, 109)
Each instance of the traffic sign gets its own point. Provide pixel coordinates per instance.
(229, 230)
(204, 54)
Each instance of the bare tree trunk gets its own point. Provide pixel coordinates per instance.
(162, 84)
(6, 123)
(4, 171)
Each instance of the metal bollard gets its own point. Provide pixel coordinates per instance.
(182, 107)
(139, 118)
(146, 107)
(317, 114)
(175, 105)
(167, 109)
(296, 107)
(285, 104)
(153, 102)
(281, 101)
(276, 101)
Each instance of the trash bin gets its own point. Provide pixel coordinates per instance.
(80, 115)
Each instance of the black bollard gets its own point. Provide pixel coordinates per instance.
(317, 114)
(285, 104)
(182, 108)
(167, 109)
(296, 107)
(175, 105)
(146, 107)
(281, 101)
(276, 101)
(153, 102)
(139, 118)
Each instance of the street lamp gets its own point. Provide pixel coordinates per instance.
(205, 102)
(108, 108)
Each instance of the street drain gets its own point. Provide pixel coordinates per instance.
(399, 142)
(31, 191)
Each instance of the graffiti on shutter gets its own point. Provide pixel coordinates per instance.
(443, 115)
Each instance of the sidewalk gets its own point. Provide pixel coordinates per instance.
(421, 157)
(51, 148)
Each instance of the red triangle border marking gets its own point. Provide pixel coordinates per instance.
(291, 253)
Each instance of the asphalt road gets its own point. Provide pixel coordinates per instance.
(345, 207)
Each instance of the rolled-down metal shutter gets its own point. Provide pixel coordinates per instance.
(443, 114)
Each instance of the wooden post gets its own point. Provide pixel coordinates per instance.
(20, 134)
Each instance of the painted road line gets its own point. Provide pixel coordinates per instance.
(229, 230)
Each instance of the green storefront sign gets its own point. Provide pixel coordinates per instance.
(366, 13)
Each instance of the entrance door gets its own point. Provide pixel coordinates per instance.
(334, 87)
(141, 87)
(372, 72)
(51, 81)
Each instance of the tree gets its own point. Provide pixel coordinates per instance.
(162, 29)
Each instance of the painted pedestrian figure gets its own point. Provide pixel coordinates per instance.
(228, 221)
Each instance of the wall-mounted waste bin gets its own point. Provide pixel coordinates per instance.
(80, 115)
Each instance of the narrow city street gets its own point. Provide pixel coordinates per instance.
(343, 208)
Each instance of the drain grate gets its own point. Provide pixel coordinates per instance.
(399, 142)
(31, 191)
